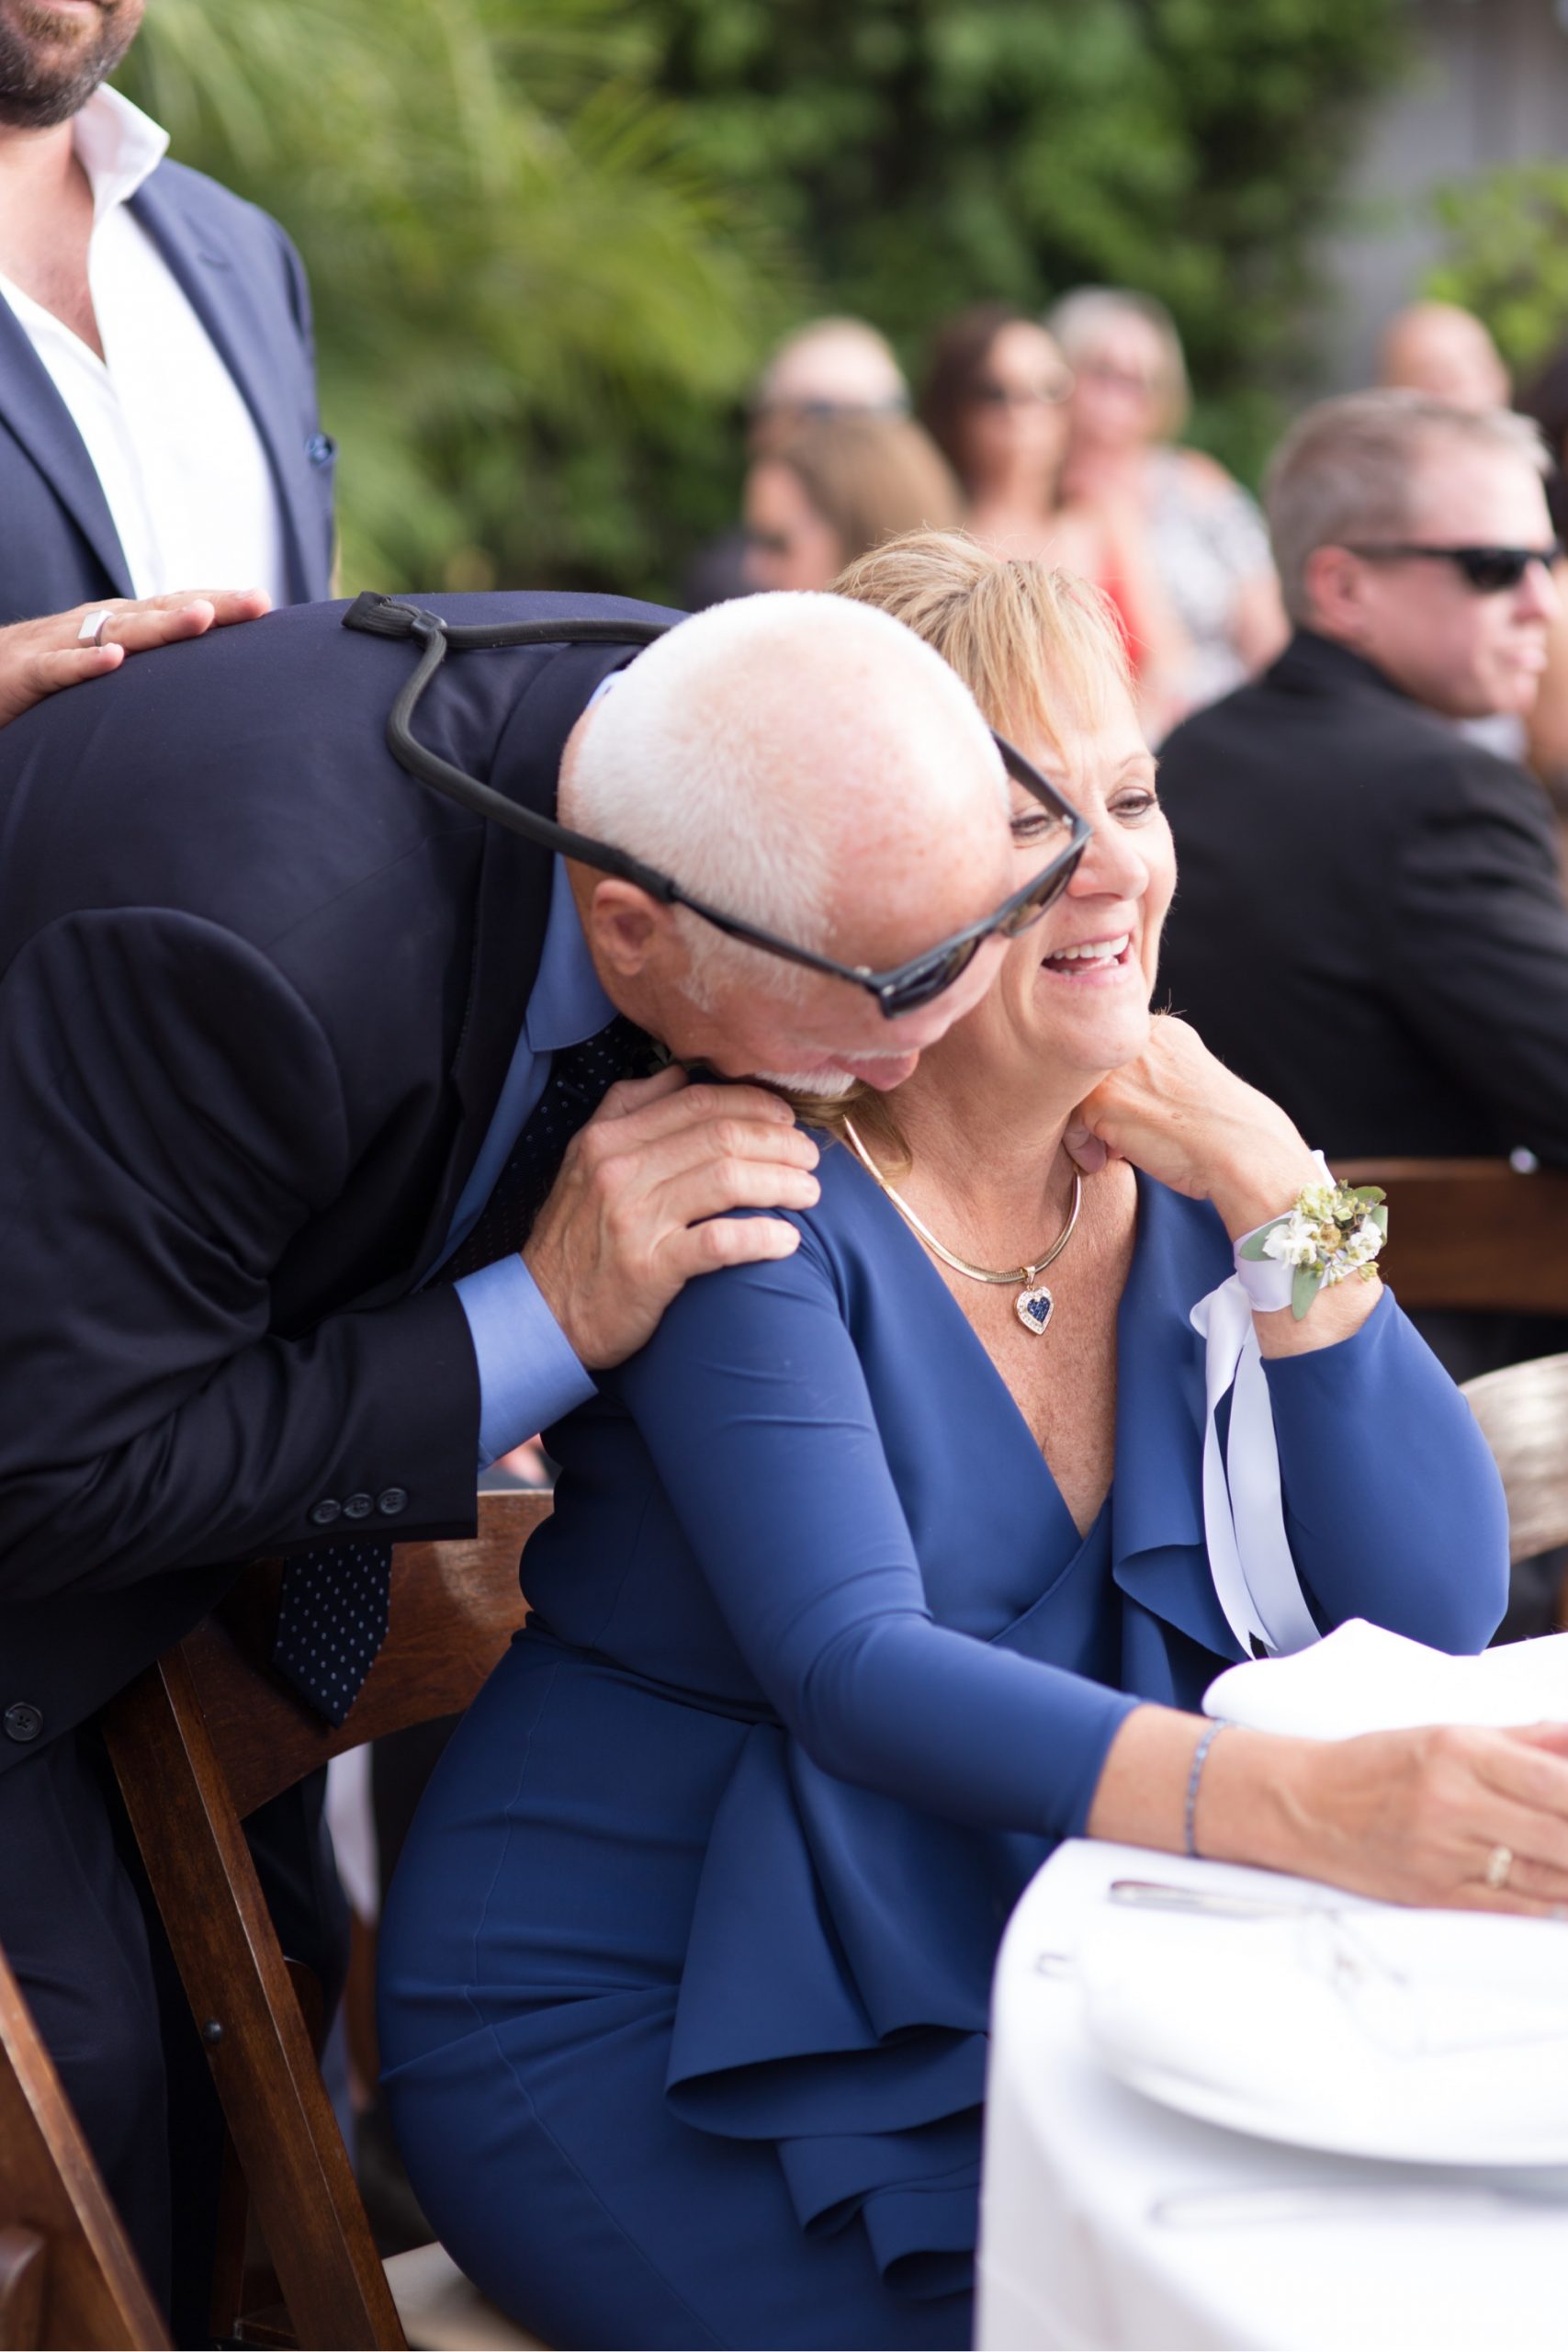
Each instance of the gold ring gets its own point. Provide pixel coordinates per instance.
(1499, 1862)
(93, 626)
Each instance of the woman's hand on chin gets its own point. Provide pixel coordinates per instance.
(1183, 1118)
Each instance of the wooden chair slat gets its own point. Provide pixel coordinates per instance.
(1472, 1233)
(235, 1977)
(455, 1606)
(197, 1743)
(68, 2276)
(1523, 1413)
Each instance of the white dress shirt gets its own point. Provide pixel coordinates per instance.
(174, 446)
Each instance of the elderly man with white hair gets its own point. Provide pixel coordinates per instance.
(333, 1165)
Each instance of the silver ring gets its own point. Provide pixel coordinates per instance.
(1499, 1862)
(93, 626)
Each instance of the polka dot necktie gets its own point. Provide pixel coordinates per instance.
(331, 1617)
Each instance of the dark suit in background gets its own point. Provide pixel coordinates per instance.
(243, 278)
(258, 993)
(1369, 925)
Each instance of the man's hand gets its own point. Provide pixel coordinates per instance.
(37, 658)
(625, 1229)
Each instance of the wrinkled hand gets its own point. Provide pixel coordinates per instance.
(1177, 1113)
(37, 658)
(1413, 1816)
(623, 1228)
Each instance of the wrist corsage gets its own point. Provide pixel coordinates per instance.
(1335, 1230)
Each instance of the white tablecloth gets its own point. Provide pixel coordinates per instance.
(1072, 2256)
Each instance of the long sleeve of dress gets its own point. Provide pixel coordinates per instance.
(754, 1406)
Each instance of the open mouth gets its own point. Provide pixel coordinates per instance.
(1091, 958)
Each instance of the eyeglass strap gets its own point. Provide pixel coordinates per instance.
(378, 616)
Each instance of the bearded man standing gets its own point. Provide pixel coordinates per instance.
(158, 421)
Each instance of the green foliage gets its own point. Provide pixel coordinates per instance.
(1507, 257)
(549, 239)
(924, 153)
(522, 281)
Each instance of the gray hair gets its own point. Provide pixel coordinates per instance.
(763, 751)
(1077, 319)
(1350, 470)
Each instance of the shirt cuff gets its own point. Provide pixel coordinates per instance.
(529, 1374)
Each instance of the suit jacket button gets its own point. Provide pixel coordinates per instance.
(321, 449)
(23, 1722)
(357, 1506)
(323, 1513)
(392, 1501)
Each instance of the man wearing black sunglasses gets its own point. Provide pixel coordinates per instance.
(1371, 923)
(318, 1188)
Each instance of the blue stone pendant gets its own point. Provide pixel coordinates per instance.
(1033, 1308)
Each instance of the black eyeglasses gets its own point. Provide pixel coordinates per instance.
(903, 989)
(1489, 571)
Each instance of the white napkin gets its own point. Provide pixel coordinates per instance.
(1429, 2037)
(1361, 1677)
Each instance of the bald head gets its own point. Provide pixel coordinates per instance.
(804, 762)
(1437, 348)
(832, 367)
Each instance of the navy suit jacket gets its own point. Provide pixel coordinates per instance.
(243, 279)
(259, 991)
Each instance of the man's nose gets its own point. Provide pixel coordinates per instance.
(1539, 598)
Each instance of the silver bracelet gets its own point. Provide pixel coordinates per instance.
(1199, 1757)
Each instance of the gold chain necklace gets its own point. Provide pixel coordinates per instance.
(1035, 1304)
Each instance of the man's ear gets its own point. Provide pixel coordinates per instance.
(629, 932)
(1336, 585)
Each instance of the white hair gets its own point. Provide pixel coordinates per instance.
(769, 752)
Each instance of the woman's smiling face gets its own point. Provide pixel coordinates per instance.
(1073, 992)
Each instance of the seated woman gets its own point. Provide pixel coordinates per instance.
(863, 1589)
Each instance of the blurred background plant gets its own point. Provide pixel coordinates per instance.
(1506, 233)
(549, 239)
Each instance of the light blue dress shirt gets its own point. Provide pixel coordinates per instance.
(529, 1374)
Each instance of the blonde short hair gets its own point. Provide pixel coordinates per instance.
(1033, 646)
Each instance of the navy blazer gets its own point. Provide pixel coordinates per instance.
(259, 991)
(243, 279)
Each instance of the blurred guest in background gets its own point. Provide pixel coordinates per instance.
(1437, 348)
(834, 367)
(1371, 924)
(1545, 400)
(995, 401)
(829, 368)
(1204, 535)
(837, 487)
(158, 423)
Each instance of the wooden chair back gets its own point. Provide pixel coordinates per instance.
(198, 1742)
(1472, 1233)
(68, 2276)
(1523, 1413)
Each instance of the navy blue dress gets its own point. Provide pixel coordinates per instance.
(686, 1967)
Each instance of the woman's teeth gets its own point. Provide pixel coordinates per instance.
(1092, 951)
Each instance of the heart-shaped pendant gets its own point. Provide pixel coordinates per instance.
(1033, 1308)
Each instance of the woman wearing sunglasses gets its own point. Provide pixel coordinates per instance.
(886, 1566)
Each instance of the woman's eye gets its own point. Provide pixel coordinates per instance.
(1034, 827)
(1128, 807)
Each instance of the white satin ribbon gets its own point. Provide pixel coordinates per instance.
(1244, 1519)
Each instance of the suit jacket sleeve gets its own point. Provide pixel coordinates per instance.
(173, 1115)
(1478, 945)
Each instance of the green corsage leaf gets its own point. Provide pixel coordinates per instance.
(1252, 1247)
(1305, 1283)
